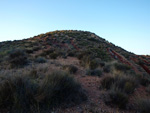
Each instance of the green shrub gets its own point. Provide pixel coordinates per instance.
(143, 105)
(40, 60)
(70, 68)
(60, 88)
(17, 58)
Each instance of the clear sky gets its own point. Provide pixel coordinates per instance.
(125, 23)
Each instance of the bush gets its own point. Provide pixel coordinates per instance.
(107, 82)
(70, 68)
(18, 58)
(143, 105)
(20, 94)
(107, 69)
(121, 67)
(95, 72)
(93, 64)
(123, 83)
(54, 55)
(118, 98)
(60, 88)
(40, 60)
(144, 79)
(17, 94)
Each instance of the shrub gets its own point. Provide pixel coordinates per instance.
(143, 105)
(118, 98)
(70, 68)
(93, 64)
(144, 79)
(17, 58)
(121, 67)
(107, 69)
(60, 88)
(123, 83)
(54, 55)
(107, 82)
(40, 60)
(17, 94)
(95, 72)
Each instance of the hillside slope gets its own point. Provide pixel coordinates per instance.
(72, 71)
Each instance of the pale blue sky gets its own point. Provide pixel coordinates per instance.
(125, 23)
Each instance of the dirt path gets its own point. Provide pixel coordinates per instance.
(90, 84)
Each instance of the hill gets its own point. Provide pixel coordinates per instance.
(72, 71)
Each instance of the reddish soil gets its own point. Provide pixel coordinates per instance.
(90, 84)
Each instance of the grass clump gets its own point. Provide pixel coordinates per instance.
(123, 83)
(23, 94)
(118, 98)
(107, 82)
(60, 88)
(17, 94)
(121, 67)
